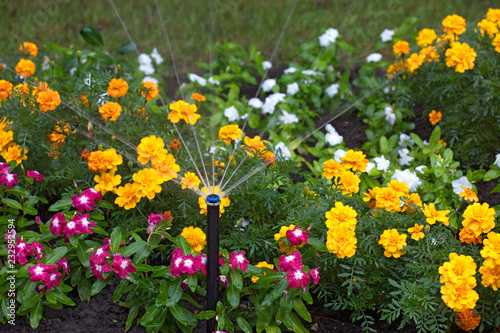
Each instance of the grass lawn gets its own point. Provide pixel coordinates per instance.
(190, 28)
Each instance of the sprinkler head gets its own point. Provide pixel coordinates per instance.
(213, 199)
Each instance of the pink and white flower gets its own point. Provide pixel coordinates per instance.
(83, 202)
(83, 223)
(238, 259)
(57, 224)
(203, 262)
(54, 279)
(190, 264)
(7, 178)
(99, 269)
(63, 262)
(35, 174)
(223, 279)
(315, 275)
(99, 255)
(297, 278)
(93, 194)
(291, 262)
(36, 249)
(22, 249)
(122, 266)
(297, 236)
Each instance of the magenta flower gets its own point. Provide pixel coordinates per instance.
(57, 224)
(53, 279)
(175, 265)
(315, 275)
(41, 272)
(223, 279)
(36, 249)
(106, 244)
(238, 259)
(184, 284)
(93, 194)
(4, 165)
(190, 264)
(154, 218)
(297, 278)
(7, 178)
(83, 202)
(83, 224)
(22, 249)
(122, 266)
(291, 262)
(221, 260)
(203, 261)
(99, 255)
(71, 228)
(297, 236)
(63, 262)
(99, 269)
(38, 219)
(35, 174)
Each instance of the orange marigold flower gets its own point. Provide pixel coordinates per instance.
(255, 144)
(341, 240)
(333, 169)
(435, 117)
(150, 148)
(388, 199)
(165, 164)
(393, 243)
(5, 89)
(349, 183)
(262, 264)
(198, 97)
(426, 37)
(396, 68)
(401, 48)
(489, 27)
(414, 62)
(151, 92)
(371, 197)
(229, 133)
(185, 111)
(107, 182)
(110, 110)
(459, 268)
(174, 144)
(84, 100)
(468, 194)
(469, 237)
(1, 68)
(195, 237)
(490, 274)
(117, 88)
(429, 53)
(460, 297)
(25, 68)
(22, 89)
(13, 152)
(496, 42)
(491, 249)
(341, 214)
(355, 160)
(269, 158)
(493, 15)
(85, 155)
(400, 188)
(479, 218)
(48, 100)
(29, 49)
(410, 201)
(454, 24)
(416, 232)
(42, 86)
(127, 196)
(100, 161)
(460, 55)
(434, 215)
(468, 319)
(149, 182)
(190, 180)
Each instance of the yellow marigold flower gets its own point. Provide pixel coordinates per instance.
(490, 274)
(14, 153)
(185, 111)
(341, 240)
(166, 165)
(341, 214)
(4, 125)
(149, 182)
(491, 249)
(190, 180)
(255, 144)
(150, 147)
(468, 237)
(468, 319)
(460, 55)
(416, 232)
(117, 88)
(388, 199)
(460, 297)
(435, 117)
(493, 15)
(434, 215)
(288, 249)
(107, 182)
(229, 133)
(6, 137)
(426, 37)
(396, 68)
(429, 53)
(371, 197)
(393, 243)
(100, 161)
(468, 194)
(128, 196)
(355, 160)
(224, 201)
(349, 183)
(25, 68)
(5, 89)
(42, 86)
(412, 200)
(29, 49)
(400, 188)
(152, 91)
(22, 89)
(268, 158)
(479, 218)
(496, 42)
(261, 264)
(110, 110)
(48, 100)
(454, 24)
(195, 237)
(458, 269)
(401, 48)
(198, 97)
(333, 169)
(414, 62)
(489, 27)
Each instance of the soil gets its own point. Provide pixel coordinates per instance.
(101, 315)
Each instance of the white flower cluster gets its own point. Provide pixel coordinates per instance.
(410, 178)
(281, 150)
(330, 36)
(332, 137)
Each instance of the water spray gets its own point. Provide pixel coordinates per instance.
(213, 205)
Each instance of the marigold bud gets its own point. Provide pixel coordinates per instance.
(305, 190)
(427, 229)
(119, 67)
(100, 147)
(78, 55)
(52, 64)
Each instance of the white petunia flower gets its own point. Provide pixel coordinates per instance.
(290, 70)
(404, 158)
(420, 169)
(245, 116)
(292, 88)
(146, 64)
(232, 114)
(150, 79)
(497, 160)
(268, 85)
(382, 163)
(374, 57)
(369, 166)
(266, 65)
(156, 56)
(281, 150)
(242, 223)
(211, 80)
(255, 103)
(212, 150)
(271, 102)
(71, 71)
(311, 72)
(332, 137)
(386, 35)
(458, 183)
(337, 156)
(332, 90)
(330, 36)
(198, 79)
(288, 118)
(390, 117)
(408, 177)
(404, 138)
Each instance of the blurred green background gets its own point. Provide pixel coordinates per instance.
(192, 24)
